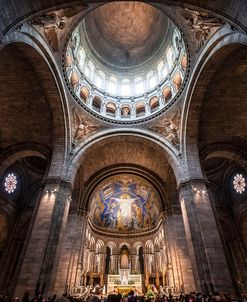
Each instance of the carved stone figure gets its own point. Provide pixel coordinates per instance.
(201, 24)
(54, 22)
(82, 128)
(169, 128)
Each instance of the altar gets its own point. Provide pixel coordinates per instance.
(124, 282)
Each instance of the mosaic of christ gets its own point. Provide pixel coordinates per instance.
(124, 202)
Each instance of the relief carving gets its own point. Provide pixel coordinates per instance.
(52, 24)
(169, 128)
(81, 128)
(202, 25)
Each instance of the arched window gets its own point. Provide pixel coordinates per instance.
(74, 79)
(170, 58)
(139, 85)
(96, 103)
(125, 87)
(167, 93)
(84, 93)
(81, 56)
(107, 260)
(111, 109)
(151, 79)
(154, 103)
(140, 109)
(184, 62)
(89, 70)
(68, 60)
(100, 79)
(177, 80)
(141, 260)
(112, 85)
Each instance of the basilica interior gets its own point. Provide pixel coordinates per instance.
(123, 146)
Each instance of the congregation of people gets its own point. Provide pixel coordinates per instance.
(132, 296)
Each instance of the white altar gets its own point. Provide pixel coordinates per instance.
(124, 282)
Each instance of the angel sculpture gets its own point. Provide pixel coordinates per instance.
(82, 129)
(54, 22)
(170, 128)
(200, 23)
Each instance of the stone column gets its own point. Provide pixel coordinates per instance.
(147, 268)
(112, 263)
(208, 259)
(179, 266)
(69, 264)
(133, 111)
(136, 263)
(90, 101)
(45, 241)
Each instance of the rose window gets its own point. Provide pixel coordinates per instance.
(10, 183)
(239, 183)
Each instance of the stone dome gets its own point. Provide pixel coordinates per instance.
(125, 61)
(126, 34)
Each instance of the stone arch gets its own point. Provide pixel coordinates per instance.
(113, 247)
(120, 136)
(149, 247)
(3, 232)
(14, 18)
(14, 153)
(156, 244)
(122, 244)
(100, 246)
(92, 244)
(136, 246)
(210, 60)
(244, 231)
(44, 65)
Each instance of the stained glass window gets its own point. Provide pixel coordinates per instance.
(10, 183)
(239, 183)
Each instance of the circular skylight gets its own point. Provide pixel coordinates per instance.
(125, 60)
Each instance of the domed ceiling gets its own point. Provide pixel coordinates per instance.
(124, 203)
(125, 61)
(126, 34)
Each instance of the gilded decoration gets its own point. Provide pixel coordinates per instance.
(124, 202)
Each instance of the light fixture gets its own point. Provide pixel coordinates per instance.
(50, 191)
(200, 191)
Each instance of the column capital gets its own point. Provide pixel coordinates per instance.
(189, 183)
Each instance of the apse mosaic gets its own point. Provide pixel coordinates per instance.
(124, 202)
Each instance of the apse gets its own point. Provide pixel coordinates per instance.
(124, 203)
